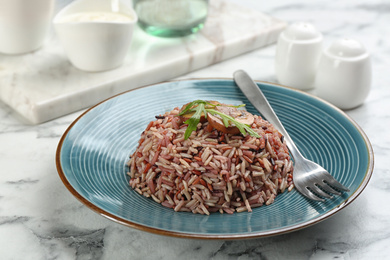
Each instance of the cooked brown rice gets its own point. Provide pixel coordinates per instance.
(210, 171)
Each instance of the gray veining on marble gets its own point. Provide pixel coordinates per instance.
(40, 219)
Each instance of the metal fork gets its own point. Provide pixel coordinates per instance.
(310, 179)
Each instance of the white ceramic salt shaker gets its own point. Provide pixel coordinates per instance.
(344, 74)
(297, 54)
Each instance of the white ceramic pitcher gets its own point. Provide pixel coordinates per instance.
(93, 42)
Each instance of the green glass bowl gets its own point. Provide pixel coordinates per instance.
(92, 154)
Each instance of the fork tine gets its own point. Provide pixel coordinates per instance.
(332, 182)
(329, 189)
(316, 189)
(310, 195)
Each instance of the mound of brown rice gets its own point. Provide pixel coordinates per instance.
(210, 171)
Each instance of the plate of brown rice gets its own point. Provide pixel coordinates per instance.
(127, 159)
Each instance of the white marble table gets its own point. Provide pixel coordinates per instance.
(40, 219)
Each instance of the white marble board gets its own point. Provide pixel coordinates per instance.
(43, 85)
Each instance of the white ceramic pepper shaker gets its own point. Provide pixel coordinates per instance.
(344, 74)
(297, 54)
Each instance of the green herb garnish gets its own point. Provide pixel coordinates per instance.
(199, 106)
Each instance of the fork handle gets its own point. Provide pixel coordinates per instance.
(259, 101)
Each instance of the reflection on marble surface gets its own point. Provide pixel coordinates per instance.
(40, 219)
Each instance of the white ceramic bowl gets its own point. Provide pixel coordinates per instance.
(297, 53)
(344, 74)
(24, 24)
(95, 45)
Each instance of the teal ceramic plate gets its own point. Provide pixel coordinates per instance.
(92, 154)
